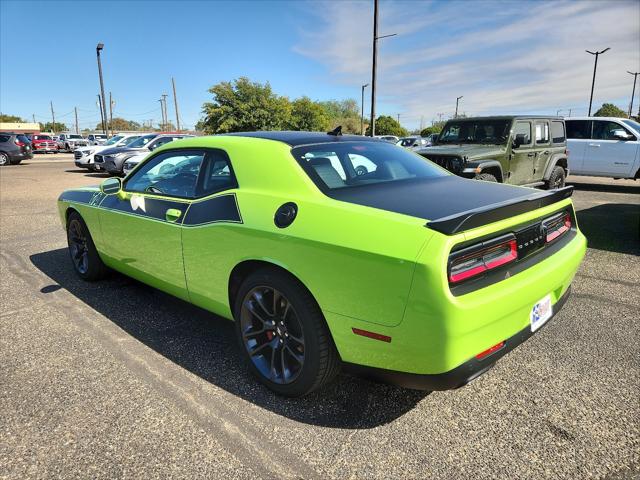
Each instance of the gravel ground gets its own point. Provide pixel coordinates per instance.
(118, 380)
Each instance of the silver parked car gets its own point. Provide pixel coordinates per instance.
(68, 142)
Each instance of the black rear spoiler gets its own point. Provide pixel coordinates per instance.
(498, 211)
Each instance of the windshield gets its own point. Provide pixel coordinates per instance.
(130, 140)
(406, 142)
(350, 164)
(476, 131)
(633, 124)
(76, 137)
(42, 137)
(101, 136)
(113, 140)
(142, 141)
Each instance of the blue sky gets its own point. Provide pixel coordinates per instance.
(504, 57)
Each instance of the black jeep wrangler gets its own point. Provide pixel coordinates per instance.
(519, 150)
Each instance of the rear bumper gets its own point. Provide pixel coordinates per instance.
(459, 376)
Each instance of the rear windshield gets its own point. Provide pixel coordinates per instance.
(357, 164)
(23, 139)
(75, 137)
(142, 141)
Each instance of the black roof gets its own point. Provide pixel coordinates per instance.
(304, 138)
(505, 117)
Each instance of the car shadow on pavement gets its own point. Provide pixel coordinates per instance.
(604, 187)
(88, 173)
(614, 227)
(205, 345)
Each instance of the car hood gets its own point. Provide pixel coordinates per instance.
(430, 198)
(117, 150)
(469, 151)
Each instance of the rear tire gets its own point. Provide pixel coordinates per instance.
(556, 179)
(487, 177)
(4, 159)
(84, 256)
(283, 335)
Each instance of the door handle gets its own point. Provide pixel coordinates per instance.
(173, 214)
(594, 144)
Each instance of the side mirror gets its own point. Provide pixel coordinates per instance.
(111, 186)
(621, 135)
(518, 140)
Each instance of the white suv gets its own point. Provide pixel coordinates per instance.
(84, 157)
(603, 147)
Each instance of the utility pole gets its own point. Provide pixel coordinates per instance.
(166, 114)
(33, 116)
(175, 100)
(373, 66)
(398, 119)
(99, 47)
(633, 92)
(362, 109)
(75, 109)
(457, 100)
(110, 113)
(53, 117)
(421, 122)
(162, 114)
(593, 82)
(440, 117)
(104, 126)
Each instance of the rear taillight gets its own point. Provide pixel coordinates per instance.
(477, 259)
(19, 143)
(557, 226)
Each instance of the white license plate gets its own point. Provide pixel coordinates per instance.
(540, 313)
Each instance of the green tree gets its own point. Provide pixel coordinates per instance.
(308, 115)
(610, 110)
(243, 105)
(49, 127)
(120, 124)
(386, 125)
(435, 128)
(10, 118)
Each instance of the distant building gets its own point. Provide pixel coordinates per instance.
(20, 127)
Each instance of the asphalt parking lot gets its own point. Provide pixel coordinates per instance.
(118, 380)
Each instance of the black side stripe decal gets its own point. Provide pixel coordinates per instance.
(142, 206)
(223, 208)
(91, 197)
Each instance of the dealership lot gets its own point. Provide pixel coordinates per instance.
(118, 379)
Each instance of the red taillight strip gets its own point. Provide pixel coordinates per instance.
(373, 335)
(564, 227)
(479, 254)
(490, 351)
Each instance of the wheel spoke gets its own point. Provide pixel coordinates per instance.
(251, 332)
(260, 348)
(276, 300)
(272, 367)
(298, 340)
(254, 312)
(284, 368)
(260, 301)
(296, 355)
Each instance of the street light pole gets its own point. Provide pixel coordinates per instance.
(457, 100)
(99, 47)
(373, 66)
(362, 110)
(633, 92)
(101, 113)
(595, 66)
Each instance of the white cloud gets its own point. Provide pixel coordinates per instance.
(503, 57)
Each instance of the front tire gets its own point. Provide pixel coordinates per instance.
(487, 177)
(556, 179)
(84, 255)
(282, 334)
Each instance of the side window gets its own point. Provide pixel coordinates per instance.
(578, 129)
(4, 138)
(217, 174)
(171, 173)
(522, 131)
(542, 132)
(557, 132)
(605, 130)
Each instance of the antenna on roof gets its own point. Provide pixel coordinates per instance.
(336, 131)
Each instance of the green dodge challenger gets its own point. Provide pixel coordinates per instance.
(333, 251)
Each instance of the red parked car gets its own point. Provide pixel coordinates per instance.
(43, 143)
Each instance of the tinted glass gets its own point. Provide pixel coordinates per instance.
(142, 141)
(557, 132)
(23, 139)
(522, 131)
(578, 129)
(475, 131)
(4, 138)
(542, 132)
(171, 173)
(352, 164)
(604, 130)
(217, 174)
(633, 124)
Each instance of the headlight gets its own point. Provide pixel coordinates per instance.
(89, 152)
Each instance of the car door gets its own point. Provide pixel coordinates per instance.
(608, 155)
(578, 136)
(521, 161)
(542, 149)
(141, 226)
